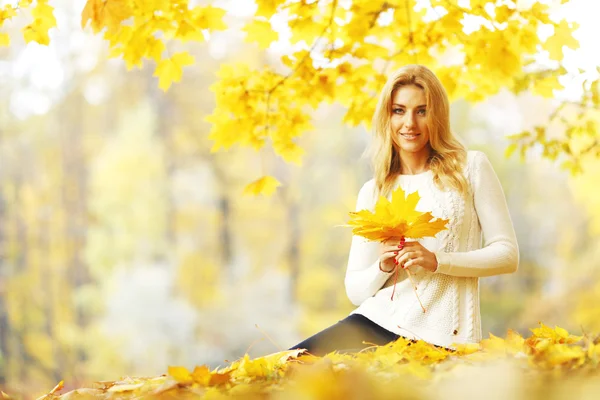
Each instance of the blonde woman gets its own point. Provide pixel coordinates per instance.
(414, 148)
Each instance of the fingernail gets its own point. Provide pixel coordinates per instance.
(396, 262)
(396, 253)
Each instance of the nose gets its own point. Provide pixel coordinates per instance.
(409, 120)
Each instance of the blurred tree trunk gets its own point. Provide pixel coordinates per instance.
(73, 198)
(225, 231)
(288, 197)
(224, 209)
(162, 104)
(293, 252)
(4, 352)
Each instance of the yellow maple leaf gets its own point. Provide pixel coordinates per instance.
(133, 52)
(102, 13)
(256, 368)
(189, 31)
(260, 32)
(170, 70)
(6, 13)
(466, 348)
(4, 39)
(261, 366)
(556, 335)
(545, 87)
(514, 342)
(36, 33)
(44, 19)
(266, 8)
(562, 37)
(44, 11)
(494, 344)
(265, 185)
(559, 354)
(92, 12)
(201, 375)
(289, 150)
(209, 17)
(371, 50)
(224, 131)
(154, 48)
(395, 218)
(180, 374)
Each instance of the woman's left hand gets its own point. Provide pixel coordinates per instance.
(414, 254)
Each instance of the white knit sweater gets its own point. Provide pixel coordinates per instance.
(451, 294)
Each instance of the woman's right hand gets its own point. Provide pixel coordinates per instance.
(388, 250)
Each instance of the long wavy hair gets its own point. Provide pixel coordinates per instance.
(448, 155)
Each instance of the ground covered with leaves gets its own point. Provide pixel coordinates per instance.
(550, 364)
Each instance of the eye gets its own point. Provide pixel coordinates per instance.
(421, 111)
(397, 110)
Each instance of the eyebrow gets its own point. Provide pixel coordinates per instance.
(402, 105)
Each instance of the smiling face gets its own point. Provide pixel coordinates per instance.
(408, 121)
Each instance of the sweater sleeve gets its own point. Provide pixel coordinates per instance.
(363, 276)
(500, 252)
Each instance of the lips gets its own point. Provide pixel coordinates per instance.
(410, 135)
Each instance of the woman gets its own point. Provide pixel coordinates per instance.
(414, 148)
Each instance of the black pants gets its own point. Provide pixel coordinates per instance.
(347, 336)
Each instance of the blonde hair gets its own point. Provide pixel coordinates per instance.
(448, 155)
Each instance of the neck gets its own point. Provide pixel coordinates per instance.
(414, 163)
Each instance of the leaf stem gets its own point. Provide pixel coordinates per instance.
(414, 287)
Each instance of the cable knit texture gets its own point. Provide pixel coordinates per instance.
(480, 241)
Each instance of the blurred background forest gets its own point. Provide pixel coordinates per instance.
(127, 246)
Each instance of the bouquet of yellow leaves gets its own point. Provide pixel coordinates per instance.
(396, 218)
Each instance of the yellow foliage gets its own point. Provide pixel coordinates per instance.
(265, 185)
(260, 32)
(545, 87)
(266, 8)
(379, 372)
(44, 19)
(6, 13)
(4, 39)
(563, 36)
(102, 14)
(209, 17)
(160, 18)
(272, 105)
(171, 69)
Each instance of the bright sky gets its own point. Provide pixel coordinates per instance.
(44, 71)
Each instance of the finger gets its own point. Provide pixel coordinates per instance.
(409, 263)
(393, 248)
(390, 254)
(412, 244)
(414, 262)
(404, 258)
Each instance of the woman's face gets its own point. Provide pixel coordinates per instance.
(408, 121)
